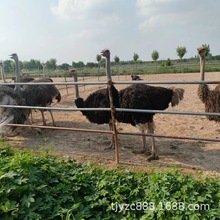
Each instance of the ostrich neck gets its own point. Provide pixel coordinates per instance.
(108, 72)
(17, 72)
(202, 68)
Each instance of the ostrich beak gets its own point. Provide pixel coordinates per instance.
(104, 52)
(12, 55)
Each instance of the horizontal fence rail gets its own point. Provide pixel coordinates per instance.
(122, 133)
(117, 109)
(115, 82)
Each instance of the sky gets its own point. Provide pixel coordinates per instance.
(77, 30)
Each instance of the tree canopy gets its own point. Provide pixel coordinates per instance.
(155, 55)
(181, 51)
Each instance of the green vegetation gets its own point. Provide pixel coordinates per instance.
(45, 187)
(155, 55)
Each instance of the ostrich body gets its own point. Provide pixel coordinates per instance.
(136, 77)
(211, 98)
(141, 96)
(42, 96)
(98, 99)
(8, 96)
(138, 96)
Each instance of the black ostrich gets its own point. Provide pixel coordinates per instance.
(146, 97)
(39, 95)
(11, 96)
(136, 77)
(42, 96)
(211, 98)
(141, 96)
(99, 99)
(133, 97)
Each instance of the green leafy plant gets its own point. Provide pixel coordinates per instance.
(45, 187)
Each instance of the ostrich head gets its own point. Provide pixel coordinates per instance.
(106, 53)
(201, 52)
(14, 56)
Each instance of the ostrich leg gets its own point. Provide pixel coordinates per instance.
(52, 118)
(30, 122)
(43, 118)
(154, 155)
(145, 150)
(111, 146)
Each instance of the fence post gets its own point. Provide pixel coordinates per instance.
(114, 129)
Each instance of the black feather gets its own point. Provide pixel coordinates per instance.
(98, 99)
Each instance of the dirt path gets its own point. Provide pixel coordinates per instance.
(185, 154)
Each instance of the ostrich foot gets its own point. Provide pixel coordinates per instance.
(38, 130)
(111, 146)
(143, 151)
(15, 133)
(153, 157)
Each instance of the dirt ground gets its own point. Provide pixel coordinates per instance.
(188, 155)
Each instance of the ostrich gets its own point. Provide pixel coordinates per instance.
(99, 99)
(211, 98)
(134, 97)
(136, 77)
(39, 95)
(10, 96)
(141, 96)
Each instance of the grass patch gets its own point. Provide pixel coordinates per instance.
(45, 187)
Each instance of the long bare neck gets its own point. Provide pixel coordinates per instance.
(17, 73)
(202, 68)
(108, 70)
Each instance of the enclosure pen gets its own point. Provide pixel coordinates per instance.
(115, 132)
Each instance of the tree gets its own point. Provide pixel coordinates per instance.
(207, 49)
(8, 66)
(80, 64)
(117, 60)
(181, 51)
(51, 64)
(64, 66)
(135, 58)
(155, 55)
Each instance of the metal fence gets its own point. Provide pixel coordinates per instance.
(114, 131)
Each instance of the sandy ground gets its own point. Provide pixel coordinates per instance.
(188, 155)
